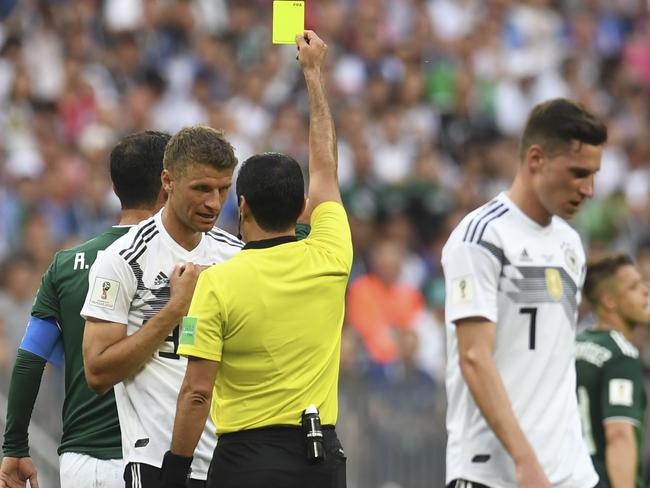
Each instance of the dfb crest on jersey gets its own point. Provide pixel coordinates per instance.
(554, 283)
(571, 259)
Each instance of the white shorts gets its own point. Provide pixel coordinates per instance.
(84, 471)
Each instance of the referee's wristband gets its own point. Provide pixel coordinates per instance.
(175, 469)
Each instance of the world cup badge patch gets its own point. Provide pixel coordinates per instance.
(621, 392)
(104, 293)
(554, 284)
(463, 290)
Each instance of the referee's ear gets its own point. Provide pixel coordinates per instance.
(244, 208)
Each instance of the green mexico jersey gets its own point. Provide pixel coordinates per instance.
(610, 389)
(90, 422)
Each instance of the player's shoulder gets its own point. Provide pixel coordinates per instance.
(91, 246)
(135, 241)
(225, 241)
(600, 349)
(594, 347)
(480, 223)
(604, 345)
(621, 346)
(94, 244)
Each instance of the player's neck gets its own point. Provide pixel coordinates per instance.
(134, 216)
(614, 322)
(521, 193)
(180, 233)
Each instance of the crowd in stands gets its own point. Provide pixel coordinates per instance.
(429, 97)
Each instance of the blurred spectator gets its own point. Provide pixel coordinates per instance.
(19, 280)
(430, 330)
(18, 287)
(379, 305)
(404, 417)
(353, 405)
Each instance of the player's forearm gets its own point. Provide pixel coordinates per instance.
(621, 461)
(192, 412)
(192, 409)
(111, 364)
(487, 389)
(23, 390)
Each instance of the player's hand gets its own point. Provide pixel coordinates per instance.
(183, 282)
(311, 51)
(530, 474)
(15, 472)
(175, 470)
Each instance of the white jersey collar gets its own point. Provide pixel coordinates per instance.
(503, 197)
(169, 240)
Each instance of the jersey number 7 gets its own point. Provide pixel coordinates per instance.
(532, 311)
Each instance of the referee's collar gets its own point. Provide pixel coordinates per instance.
(275, 241)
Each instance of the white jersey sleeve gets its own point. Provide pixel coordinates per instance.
(111, 287)
(472, 279)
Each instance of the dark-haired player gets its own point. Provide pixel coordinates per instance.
(611, 391)
(90, 449)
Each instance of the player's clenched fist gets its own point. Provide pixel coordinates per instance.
(311, 50)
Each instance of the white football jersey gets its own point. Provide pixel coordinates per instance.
(129, 284)
(501, 265)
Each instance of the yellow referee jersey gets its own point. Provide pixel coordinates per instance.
(272, 317)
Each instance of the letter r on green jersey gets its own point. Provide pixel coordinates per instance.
(188, 330)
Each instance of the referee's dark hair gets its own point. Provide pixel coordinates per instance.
(558, 122)
(274, 188)
(136, 164)
(600, 272)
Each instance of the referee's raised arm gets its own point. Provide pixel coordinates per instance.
(323, 179)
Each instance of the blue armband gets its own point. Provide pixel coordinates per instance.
(58, 353)
(43, 338)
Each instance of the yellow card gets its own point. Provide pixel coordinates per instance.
(288, 20)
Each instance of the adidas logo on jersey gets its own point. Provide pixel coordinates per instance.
(524, 256)
(161, 279)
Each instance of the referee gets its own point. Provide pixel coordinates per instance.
(264, 328)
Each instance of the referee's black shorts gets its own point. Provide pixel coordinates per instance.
(275, 457)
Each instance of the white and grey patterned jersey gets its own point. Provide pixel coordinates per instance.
(501, 265)
(129, 284)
